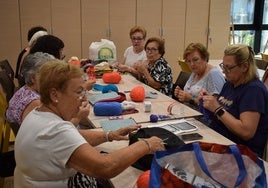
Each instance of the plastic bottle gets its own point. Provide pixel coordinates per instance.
(91, 72)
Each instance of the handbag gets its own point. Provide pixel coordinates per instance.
(201, 164)
(171, 140)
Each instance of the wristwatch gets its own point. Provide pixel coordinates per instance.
(220, 112)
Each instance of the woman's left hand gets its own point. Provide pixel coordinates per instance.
(121, 134)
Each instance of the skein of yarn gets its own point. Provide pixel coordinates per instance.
(107, 109)
(137, 94)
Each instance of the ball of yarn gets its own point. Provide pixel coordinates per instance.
(111, 77)
(153, 118)
(107, 109)
(143, 180)
(137, 94)
(109, 87)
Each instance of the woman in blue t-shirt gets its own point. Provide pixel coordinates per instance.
(241, 109)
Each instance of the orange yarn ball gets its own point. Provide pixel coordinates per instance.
(143, 180)
(111, 77)
(137, 94)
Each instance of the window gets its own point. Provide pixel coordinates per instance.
(250, 23)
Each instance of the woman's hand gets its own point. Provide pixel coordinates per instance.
(182, 95)
(89, 84)
(83, 110)
(121, 134)
(123, 68)
(210, 102)
(141, 67)
(154, 144)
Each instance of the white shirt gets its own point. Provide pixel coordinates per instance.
(132, 57)
(43, 146)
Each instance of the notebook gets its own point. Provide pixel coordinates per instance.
(110, 125)
(102, 97)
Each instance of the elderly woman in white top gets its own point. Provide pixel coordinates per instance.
(136, 52)
(204, 75)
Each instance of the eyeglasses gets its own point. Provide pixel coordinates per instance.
(228, 69)
(194, 60)
(81, 94)
(151, 49)
(136, 39)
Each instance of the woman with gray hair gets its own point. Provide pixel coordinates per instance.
(27, 97)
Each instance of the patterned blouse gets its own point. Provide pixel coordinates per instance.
(17, 104)
(161, 72)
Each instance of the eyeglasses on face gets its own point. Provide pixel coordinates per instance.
(194, 60)
(151, 49)
(136, 38)
(228, 69)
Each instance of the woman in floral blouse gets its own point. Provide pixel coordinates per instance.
(155, 71)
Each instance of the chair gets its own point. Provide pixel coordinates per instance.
(181, 81)
(7, 159)
(7, 84)
(265, 78)
(261, 64)
(6, 66)
(184, 66)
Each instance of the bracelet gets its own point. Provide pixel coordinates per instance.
(107, 136)
(148, 144)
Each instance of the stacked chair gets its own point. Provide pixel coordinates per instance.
(7, 138)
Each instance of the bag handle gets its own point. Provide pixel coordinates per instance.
(234, 150)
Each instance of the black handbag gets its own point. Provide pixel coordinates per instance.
(170, 139)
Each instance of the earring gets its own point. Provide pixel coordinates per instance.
(56, 101)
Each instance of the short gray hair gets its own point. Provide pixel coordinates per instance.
(31, 65)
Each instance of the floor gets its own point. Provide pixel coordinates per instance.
(8, 182)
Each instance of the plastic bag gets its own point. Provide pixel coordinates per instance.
(103, 50)
(208, 165)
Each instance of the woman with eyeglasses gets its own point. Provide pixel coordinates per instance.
(52, 152)
(155, 71)
(204, 76)
(134, 53)
(240, 112)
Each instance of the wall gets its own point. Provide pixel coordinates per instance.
(80, 22)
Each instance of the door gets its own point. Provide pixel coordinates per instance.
(219, 27)
(95, 23)
(197, 17)
(122, 19)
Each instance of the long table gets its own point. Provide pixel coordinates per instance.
(158, 105)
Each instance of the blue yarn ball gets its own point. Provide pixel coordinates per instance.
(110, 87)
(107, 109)
(153, 118)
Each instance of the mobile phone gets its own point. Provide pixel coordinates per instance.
(191, 136)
